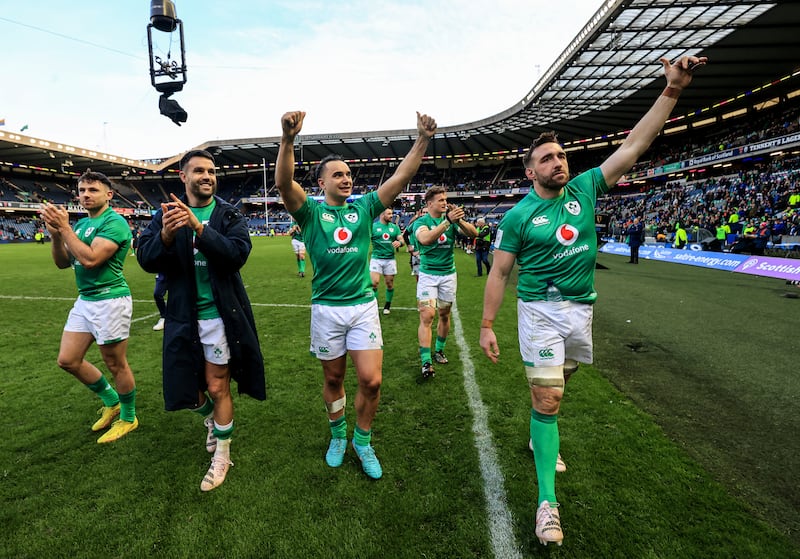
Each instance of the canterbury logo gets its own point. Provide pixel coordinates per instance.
(540, 220)
(546, 353)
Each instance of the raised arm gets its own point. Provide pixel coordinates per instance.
(678, 75)
(292, 193)
(389, 190)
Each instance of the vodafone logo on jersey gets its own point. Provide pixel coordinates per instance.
(385, 236)
(342, 235)
(566, 235)
(442, 239)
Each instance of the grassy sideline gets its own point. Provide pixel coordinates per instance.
(680, 441)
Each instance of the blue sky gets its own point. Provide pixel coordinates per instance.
(78, 72)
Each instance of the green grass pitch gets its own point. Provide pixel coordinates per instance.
(680, 441)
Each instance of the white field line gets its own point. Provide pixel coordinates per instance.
(289, 305)
(501, 523)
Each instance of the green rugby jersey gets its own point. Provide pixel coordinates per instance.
(555, 240)
(436, 258)
(105, 281)
(297, 235)
(383, 235)
(206, 307)
(337, 241)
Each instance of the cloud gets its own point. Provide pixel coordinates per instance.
(354, 66)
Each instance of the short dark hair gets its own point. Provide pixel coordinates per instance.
(320, 167)
(544, 138)
(195, 153)
(434, 191)
(94, 176)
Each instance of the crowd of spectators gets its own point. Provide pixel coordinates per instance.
(766, 194)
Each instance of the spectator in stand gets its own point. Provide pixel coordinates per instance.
(723, 230)
(681, 239)
(794, 199)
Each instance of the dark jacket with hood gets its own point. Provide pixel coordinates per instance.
(225, 242)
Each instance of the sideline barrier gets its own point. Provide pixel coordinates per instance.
(767, 266)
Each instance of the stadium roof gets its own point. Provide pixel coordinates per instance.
(600, 85)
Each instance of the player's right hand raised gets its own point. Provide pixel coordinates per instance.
(292, 123)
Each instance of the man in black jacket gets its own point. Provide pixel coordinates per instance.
(200, 242)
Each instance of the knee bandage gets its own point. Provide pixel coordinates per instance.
(337, 405)
(570, 366)
(550, 377)
(431, 303)
(444, 304)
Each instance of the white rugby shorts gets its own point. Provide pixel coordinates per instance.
(439, 288)
(108, 321)
(215, 343)
(335, 330)
(384, 266)
(299, 247)
(551, 332)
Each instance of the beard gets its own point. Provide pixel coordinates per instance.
(204, 195)
(551, 184)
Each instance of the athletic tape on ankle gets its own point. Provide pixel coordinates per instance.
(337, 405)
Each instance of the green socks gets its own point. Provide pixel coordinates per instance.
(107, 394)
(338, 428)
(440, 343)
(361, 437)
(389, 295)
(127, 406)
(425, 354)
(223, 432)
(301, 266)
(206, 409)
(544, 436)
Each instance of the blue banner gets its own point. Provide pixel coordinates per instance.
(715, 260)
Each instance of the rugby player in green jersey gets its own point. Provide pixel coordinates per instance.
(96, 248)
(551, 236)
(344, 313)
(299, 249)
(386, 239)
(435, 233)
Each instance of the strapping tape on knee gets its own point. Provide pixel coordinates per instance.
(570, 366)
(337, 405)
(550, 377)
